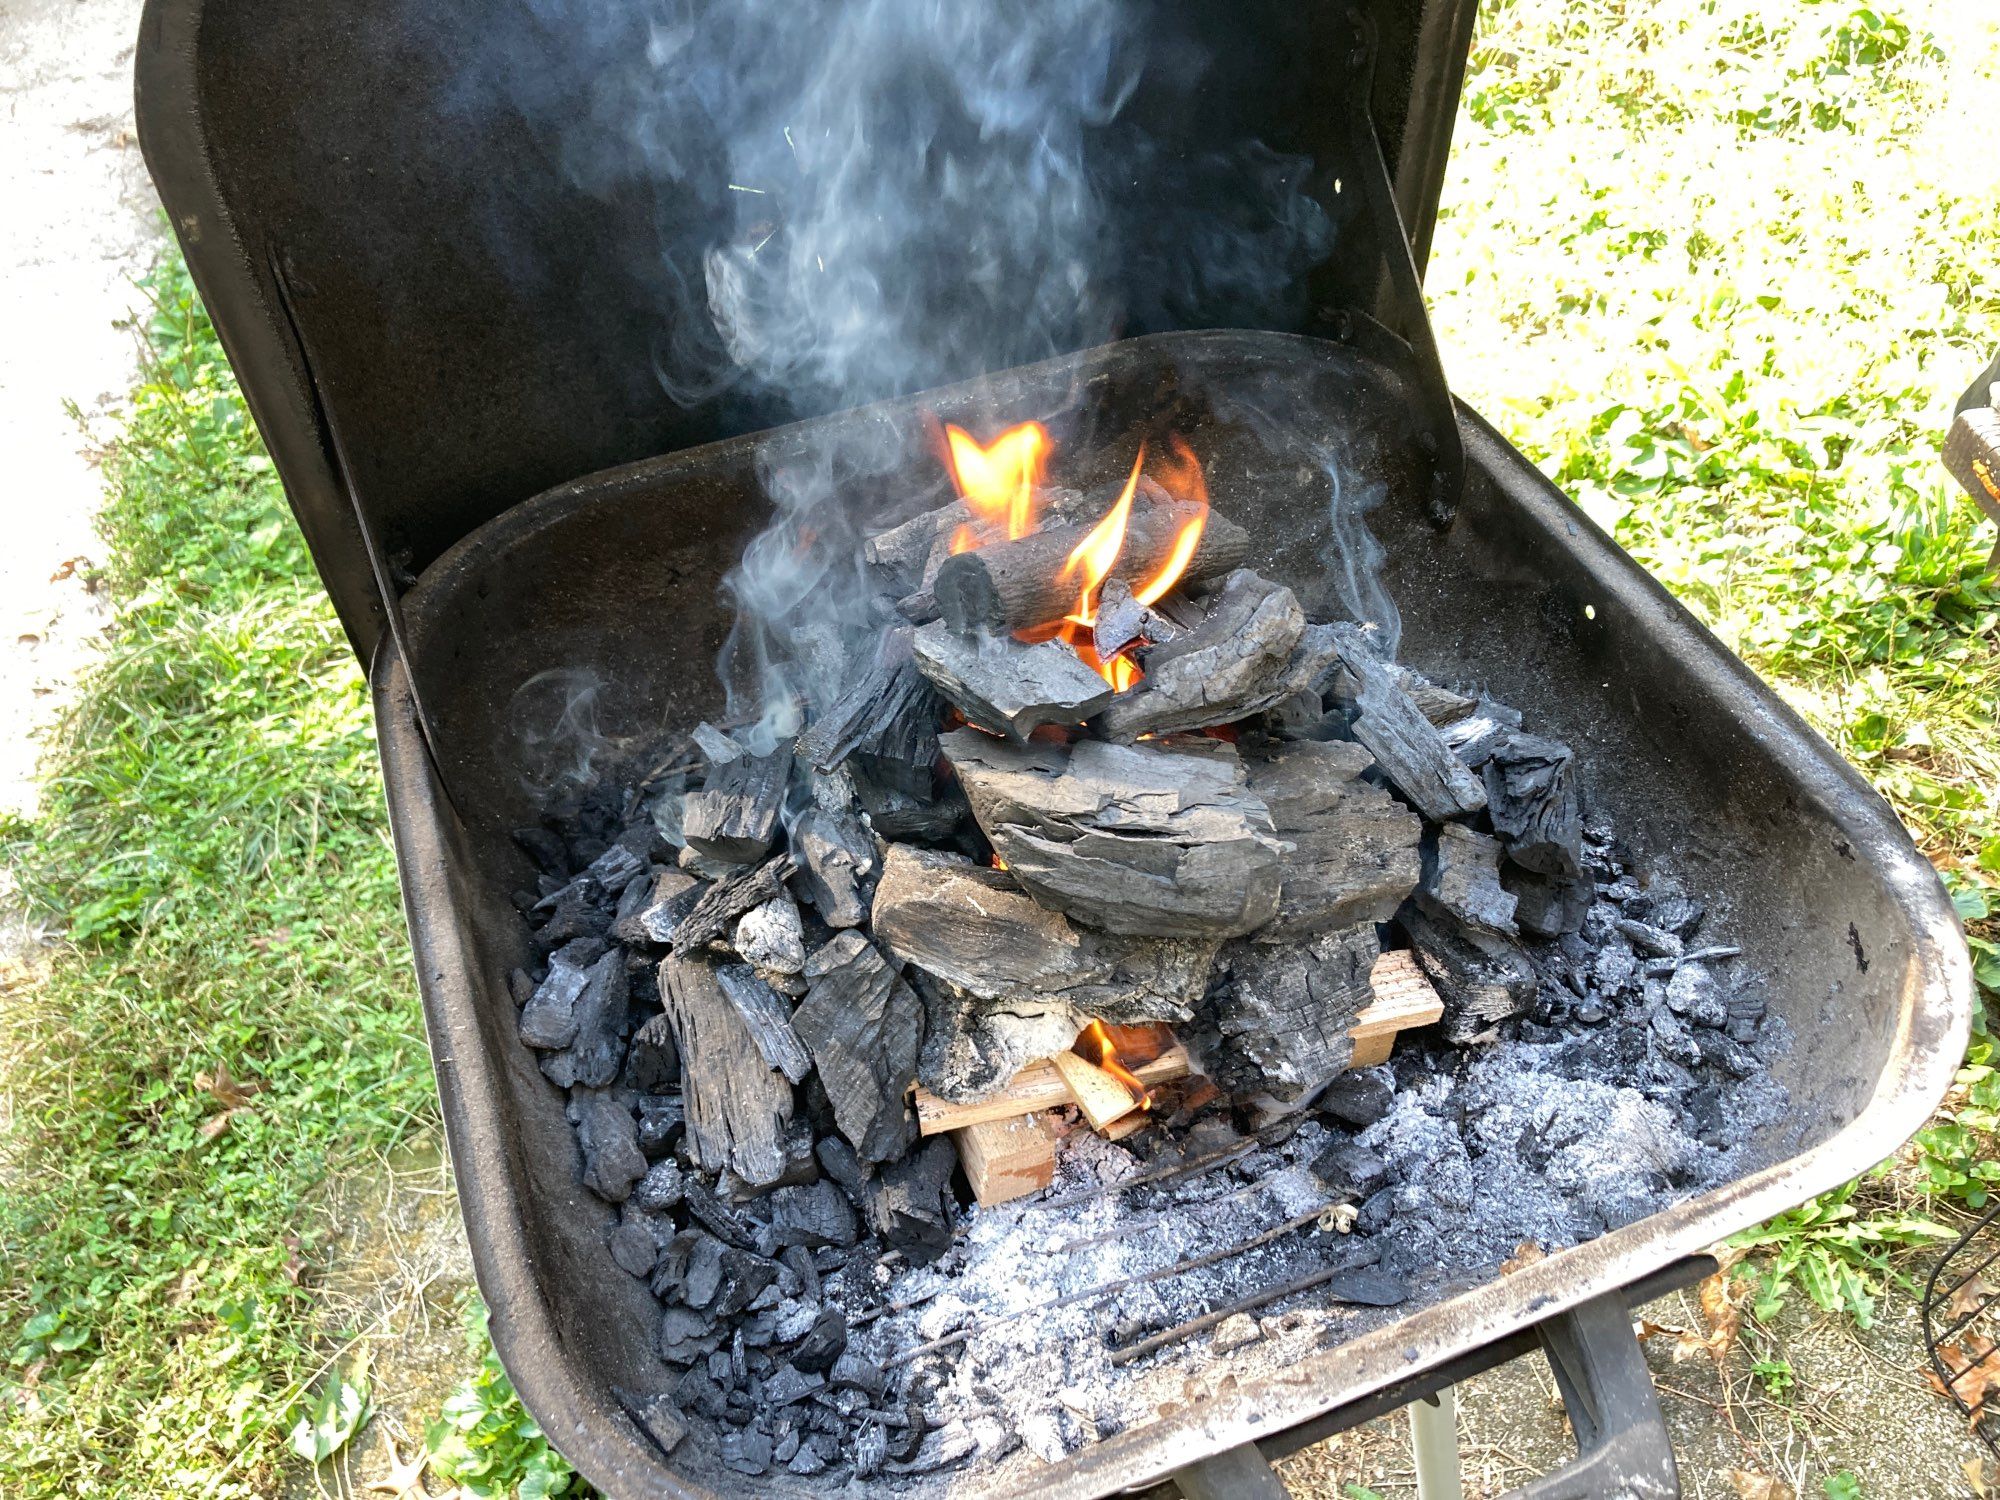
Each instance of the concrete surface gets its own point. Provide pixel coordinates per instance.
(78, 226)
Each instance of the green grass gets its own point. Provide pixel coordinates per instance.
(213, 836)
(1720, 266)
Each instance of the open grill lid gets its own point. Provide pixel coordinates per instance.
(433, 320)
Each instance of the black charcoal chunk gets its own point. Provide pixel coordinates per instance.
(864, 1027)
(605, 1130)
(1350, 1171)
(910, 1203)
(1368, 1286)
(1276, 1022)
(549, 1020)
(1650, 939)
(1532, 797)
(1405, 744)
(633, 1248)
(837, 864)
(1358, 1099)
(824, 1343)
(549, 853)
(653, 1060)
(734, 817)
(596, 1051)
(1006, 687)
(686, 1337)
(738, 1107)
(747, 1450)
(768, 1018)
(666, 899)
(661, 1188)
(1482, 977)
(657, 1417)
(811, 1216)
(661, 1124)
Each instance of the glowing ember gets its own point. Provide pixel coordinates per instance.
(1094, 1043)
(997, 482)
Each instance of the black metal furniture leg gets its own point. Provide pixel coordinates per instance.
(1234, 1474)
(1623, 1452)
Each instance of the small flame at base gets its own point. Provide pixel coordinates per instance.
(1094, 1043)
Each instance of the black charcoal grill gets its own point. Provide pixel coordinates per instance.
(439, 328)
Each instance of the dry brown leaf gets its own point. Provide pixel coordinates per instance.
(1969, 1300)
(1525, 1254)
(1726, 1257)
(1754, 1486)
(294, 1266)
(214, 1125)
(1722, 1310)
(1972, 1373)
(1979, 1474)
(1647, 1329)
(227, 1091)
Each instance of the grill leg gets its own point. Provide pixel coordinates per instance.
(1434, 1440)
(1235, 1474)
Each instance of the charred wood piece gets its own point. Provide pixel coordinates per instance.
(973, 1049)
(1354, 854)
(737, 1106)
(768, 1018)
(1251, 651)
(864, 1027)
(1405, 744)
(596, 1049)
(1531, 795)
(1278, 1023)
(836, 862)
(719, 906)
(1006, 687)
(657, 910)
(910, 1203)
(1482, 977)
(889, 712)
(1019, 584)
(1548, 906)
(1141, 840)
(1462, 880)
(735, 816)
(977, 929)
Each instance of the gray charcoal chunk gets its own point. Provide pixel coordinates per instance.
(734, 817)
(771, 936)
(854, 1372)
(1650, 939)
(605, 1130)
(548, 1020)
(871, 1450)
(1354, 849)
(673, 894)
(790, 1384)
(657, 1417)
(1358, 1099)
(1694, 993)
(1405, 744)
(1350, 1171)
(1462, 880)
(661, 1188)
(1723, 1051)
(737, 1107)
(685, 1336)
(1005, 687)
(768, 1019)
(864, 1028)
(1277, 1024)
(1482, 977)
(633, 1248)
(837, 864)
(1532, 797)
(1369, 1286)
(747, 1450)
(596, 1051)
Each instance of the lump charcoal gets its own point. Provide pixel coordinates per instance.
(788, 1385)
(1251, 651)
(1720, 1050)
(949, 1445)
(854, 1372)
(1546, 906)
(747, 1450)
(671, 895)
(652, 1061)
(811, 1217)
(548, 1020)
(717, 747)
(1462, 880)
(1482, 977)
(717, 1217)
(836, 861)
(662, 1122)
(933, 816)
(1532, 797)
(1405, 744)
(1368, 1286)
(1007, 687)
(661, 1188)
(887, 712)
(770, 937)
(800, 1167)
(1473, 738)
(769, 1019)
(734, 816)
(1139, 840)
(719, 906)
(1277, 1024)
(1351, 1171)
(1648, 939)
(1122, 620)
(1694, 993)
(581, 909)
(864, 1027)
(976, 929)
(903, 550)
(597, 1051)
(686, 1337)
(745, 1276)
(614, 868)
(973, 1048)
(910, 1204)
(656, 1416)
(1679, 915)
(737, 1106)
(1355, 849)
(1357, 1100)
(609, 1140)
(824, 1342)
(633, 1248)
(545, 849)
(838, 1160)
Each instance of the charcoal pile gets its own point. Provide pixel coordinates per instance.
(1053, 806)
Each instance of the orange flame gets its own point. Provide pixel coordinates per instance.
(1180, 476)
(1095, 1044)
(1093, 558)
(997, 481)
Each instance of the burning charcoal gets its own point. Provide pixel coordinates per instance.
(737, 1107)
(897, 814)
(771, 938)
(889, 711)
(610, 1143)
(1302, 716)
(864, 1027)
(1006, 687)
(548, 1020)
(661, 1188)
(853, 1372)
(1462, 880)
(973, 1047)
(910, 1207)
(1368, 1286)
(768, 1018)
(1649, 939)
(974, 928)
(1350, 1171)
(661, 1123)
(1546, 906)
(1474, 738)
(1532, 797)
(1405, 744)
(596, 1051)
(1252, 651)
(1121, 619)
(657, 1417)
(686, 1337)
(670, 897)
(811, 1217)
(633, 1248)
(1354, 855)
(734, 817)
(836, 859)
(1015, 585)
(549, 853)
(726, 900)
(1483, 978)
(652, 1061)
(1277, 1025)
(1694, 993)
(903, 550)
(824, 1342)
(747, 1451)
(1357, 1099)
(1133, 839)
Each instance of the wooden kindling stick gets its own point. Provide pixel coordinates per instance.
(1111, 1288)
